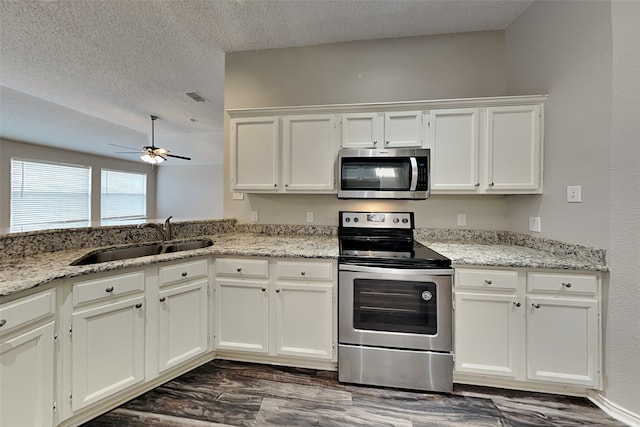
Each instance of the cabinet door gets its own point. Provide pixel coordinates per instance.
(513, 149)
(310, 147)
(26, 372)
(182, 318)
(362, 130)
(488, 334)
(454, 146)
(255, 154)
(403, 129)
(107, 350)
(563, 339)
(304, 320)
(242, 316)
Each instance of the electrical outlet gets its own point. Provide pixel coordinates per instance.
(462, 219)
(238, 196)
(534, 224)
(574, 193)
(309, 216)
(254, 216)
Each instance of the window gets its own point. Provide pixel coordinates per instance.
(49, 195)
(123, 196)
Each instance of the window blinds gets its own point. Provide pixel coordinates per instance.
(123, 196)
(49, 195)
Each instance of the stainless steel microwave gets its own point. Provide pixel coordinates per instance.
(395, 173)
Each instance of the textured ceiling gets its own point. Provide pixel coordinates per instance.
(80, 74)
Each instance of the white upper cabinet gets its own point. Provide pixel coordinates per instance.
(310, 148)
(397, 129)
(513, 149)
(255, 154)
(455, 151)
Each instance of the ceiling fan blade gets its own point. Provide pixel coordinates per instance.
(178, 157)
(124, 146)
(128, 152)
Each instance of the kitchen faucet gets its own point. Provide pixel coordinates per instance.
(165, 231)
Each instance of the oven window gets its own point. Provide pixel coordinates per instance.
(376, 174)
(395, 306)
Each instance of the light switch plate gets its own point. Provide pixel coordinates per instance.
(534, 224)
(254, 216)
(309, 216)
(462, 219)
(238, 196)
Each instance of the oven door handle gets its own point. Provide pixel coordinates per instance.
(414, 173)
(391, 270)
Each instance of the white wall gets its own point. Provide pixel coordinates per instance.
(9, 149)
(586, 56)
(189, 191)
(436, 67)
(622, 353)
(564, 49)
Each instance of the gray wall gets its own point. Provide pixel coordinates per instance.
(436, 67)
(586, 56)
(9, 149)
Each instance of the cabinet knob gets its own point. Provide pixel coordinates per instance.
(3, 322)
(535, 305)
(238, 270)
(387, 142)
(566, 284)
(488, 282)
(109, 289)
(303, 273)
(517, 304)
(264, 289)
(138, 305)
(492, 184)
(477, 184)
(375, 142)
(163, 299)
(275, 185)
(286, 185)
(184, 274)
(277, 291)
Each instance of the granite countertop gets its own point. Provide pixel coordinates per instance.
(22, 273)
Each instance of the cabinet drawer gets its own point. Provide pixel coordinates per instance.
(565, 283)
(183, 271)
(242, 267)
(27, 310)
(486, 279)
(105, 287)
(304, 270)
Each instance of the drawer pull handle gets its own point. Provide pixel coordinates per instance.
(184, 274)
(488, 282)
(3, 322)
(302, 273)
(238, 270)
(566, 284)
(264, 289)
(109, 289)
(517, 304)
(163, 299)
(535, 305)
(138, 305)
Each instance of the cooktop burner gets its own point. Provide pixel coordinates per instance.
(384, 239)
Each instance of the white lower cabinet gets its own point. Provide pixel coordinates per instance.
(27, 361)
(108, 340)
(277, 308)
(527, 326)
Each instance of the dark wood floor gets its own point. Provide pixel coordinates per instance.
(244, 394)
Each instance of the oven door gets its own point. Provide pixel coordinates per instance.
(395, 308)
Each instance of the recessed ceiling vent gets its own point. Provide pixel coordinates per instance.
(196, 96)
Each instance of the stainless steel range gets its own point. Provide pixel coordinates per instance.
(394, 305)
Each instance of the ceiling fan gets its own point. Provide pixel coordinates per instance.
(151, 153)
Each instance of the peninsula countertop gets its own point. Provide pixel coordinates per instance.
(23, 273)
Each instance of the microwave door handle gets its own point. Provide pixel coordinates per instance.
(414, 173)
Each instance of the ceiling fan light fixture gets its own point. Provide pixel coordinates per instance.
(153, 159)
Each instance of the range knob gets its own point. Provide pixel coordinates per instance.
(405, 220)
(396, 220)
(347, 219)
(355, 219)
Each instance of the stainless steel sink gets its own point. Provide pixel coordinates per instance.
(116, 254)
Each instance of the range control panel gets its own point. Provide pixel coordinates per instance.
(401, 220)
